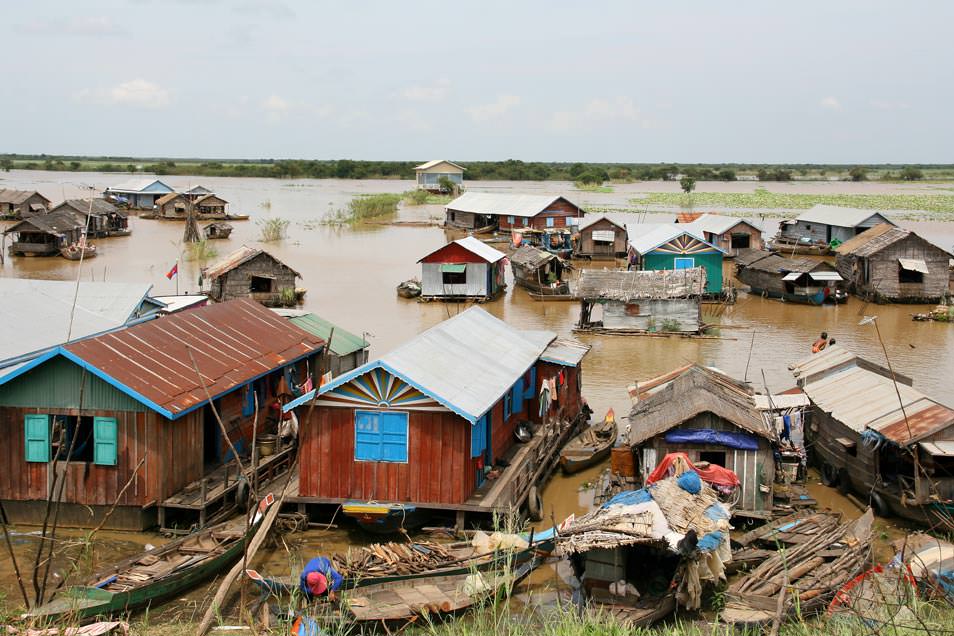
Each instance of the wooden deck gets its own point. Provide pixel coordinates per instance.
(211, 493)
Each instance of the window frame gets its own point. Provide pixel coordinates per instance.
(676, 260)
(380, 444)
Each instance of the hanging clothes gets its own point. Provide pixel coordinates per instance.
(544, 398)
(554, 394)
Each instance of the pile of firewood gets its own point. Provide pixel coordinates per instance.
(383, 559)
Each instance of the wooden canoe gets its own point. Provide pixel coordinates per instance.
(643, 613)
(155, 574)
(591, 446)
(466, 560)
(551, 297)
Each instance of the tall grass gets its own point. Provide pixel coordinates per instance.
(365, 208)
(423, 197)
(272, 229)
(201, 251)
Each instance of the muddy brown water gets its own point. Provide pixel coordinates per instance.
(350, 274)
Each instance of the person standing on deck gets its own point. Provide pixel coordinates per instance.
(821, 343)
(319, 578)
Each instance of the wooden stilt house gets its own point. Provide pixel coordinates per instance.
(465, 269)
(249, 272)
(135, 407)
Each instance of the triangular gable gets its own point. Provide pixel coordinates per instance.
(373, 385)
(686, 243)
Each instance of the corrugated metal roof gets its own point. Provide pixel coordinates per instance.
(565, 351)
(588, 221)
(645, 237)
(53, 223)
(913, 265)
(838, 216)
(232, 343)
(532, 257)
(134, 186)
(622, 285)
(343, 342)
(236, 258)
(36, 313)
(863, 399)
(944, 448)
(780, 401)
(522, 205)
(434, 162)
(100, 207)
(466, 363)
(715, 223)
(475, 246)
(746, 257)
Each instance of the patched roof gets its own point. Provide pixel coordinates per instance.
(645, 237)
(529, 256)
(231, 343)
(474, 246)
(746, 257)
(625, 286)
(37, 312)
(775, 264)
(522, 205)
(172, 196)
(875, 239)
(466, 363)
(236, 258)
(838, 216)
(435, 162)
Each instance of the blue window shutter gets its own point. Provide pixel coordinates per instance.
(532, 386)
(684, 263)
(367, 446)
(393, 437)
(36, 429)
(380, 436)
(248, 407)
(550, 221)
(510, 220)
(105, 440)
(508, 405)
(478, 436)
(518, 396)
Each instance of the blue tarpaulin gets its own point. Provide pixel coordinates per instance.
(629, 498)
(738, 441)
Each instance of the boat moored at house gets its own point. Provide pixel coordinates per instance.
(540, 272)
(804, 280)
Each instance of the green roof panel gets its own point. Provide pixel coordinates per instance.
(344, 342)
(454, 268)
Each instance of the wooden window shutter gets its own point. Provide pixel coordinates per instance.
(36, 429)
(106, 439)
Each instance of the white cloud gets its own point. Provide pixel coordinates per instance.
(139, 92)
(830, 103)
(597, 111)
(494, 109)
(275, 109)
(79, 25)
(433, 93)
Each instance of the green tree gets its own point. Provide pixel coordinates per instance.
(577, 169)
(858, 174)
(75, 165)
(910, 173)
(130, 168)
(688, 184)
(590, 178)
(727, 175)
(446, 185)
(6, 164)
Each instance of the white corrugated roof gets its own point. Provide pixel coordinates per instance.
(780, 401)
(714, 223)
(838, 216)
(135, 185)
(565, 351)
(913, 265)
(431, 164)
(466, 363)
(522, 205)
(590, 220)
(36, 313)
(476, 246)
(645, 237)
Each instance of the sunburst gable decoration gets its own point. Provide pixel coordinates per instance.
(380, 388)
(685, 244)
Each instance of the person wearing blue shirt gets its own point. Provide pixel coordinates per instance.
(319, 578)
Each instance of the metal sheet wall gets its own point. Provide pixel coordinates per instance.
(432, 283)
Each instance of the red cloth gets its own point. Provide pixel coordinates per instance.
(713, 474)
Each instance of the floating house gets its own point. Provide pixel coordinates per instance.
(484, 211)
(177, 205)
(21, 204)
(428, 175)
(345, 351)
(134, 407)
(824, 225)
(217, 230)
(174, 205)
(40, 313)
(431, 426)
(889, 263)
(712, 418)
(465, 269)
(730, 234)
(540, 272)
(797, 280)
(105, 218)
(641, 301)
(138, 194)
(874, 434)
(44, 234)
(197, 191)
(601, 237)
(211, 206)
(252, 273)
(666, 246)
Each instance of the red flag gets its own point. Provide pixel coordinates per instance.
(172, 273)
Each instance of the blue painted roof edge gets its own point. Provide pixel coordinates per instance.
(701, 240)
(26, 366)
(298, 401)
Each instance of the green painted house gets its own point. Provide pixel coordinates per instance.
(656, 247)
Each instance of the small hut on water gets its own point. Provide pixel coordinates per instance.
(798, 280)
(824, 225)
(601, 237)
(429, 175)
(217, 230)
(106, 219)
(465, 269)
(252, 273)
(728, 233)
(541, 272)
(22, 204)
(641, 302)
(888, 263)
(44, 234)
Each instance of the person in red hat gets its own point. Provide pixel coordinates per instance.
(319, 578)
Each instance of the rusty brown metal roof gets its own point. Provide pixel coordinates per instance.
(232, 343)
(924, 418)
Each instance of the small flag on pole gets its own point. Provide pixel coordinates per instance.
(172, 273)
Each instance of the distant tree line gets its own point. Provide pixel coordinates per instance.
(509, 170)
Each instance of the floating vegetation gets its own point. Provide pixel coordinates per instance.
(423, 197)
(364, 208)
(594, 187)
(273, 229)
(200, 251)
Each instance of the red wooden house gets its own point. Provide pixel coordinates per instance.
(420, 427)
(129, 407)
(466, 268)
(473, 210)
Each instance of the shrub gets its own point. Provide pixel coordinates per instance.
(273, 229)
(910, 173)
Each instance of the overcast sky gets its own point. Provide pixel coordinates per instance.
(637, 81)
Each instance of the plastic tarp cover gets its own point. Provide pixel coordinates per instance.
(712, 475)
(730, 439)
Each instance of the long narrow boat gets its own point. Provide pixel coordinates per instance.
(464, 559)
(551, 297)
(641, 613)
(155, 574)
(591, 446)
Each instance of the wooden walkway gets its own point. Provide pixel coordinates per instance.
(210, 493)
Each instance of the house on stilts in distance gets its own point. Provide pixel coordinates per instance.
(465, 269)
(433, 175)
(430, 427)
(134, 407)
